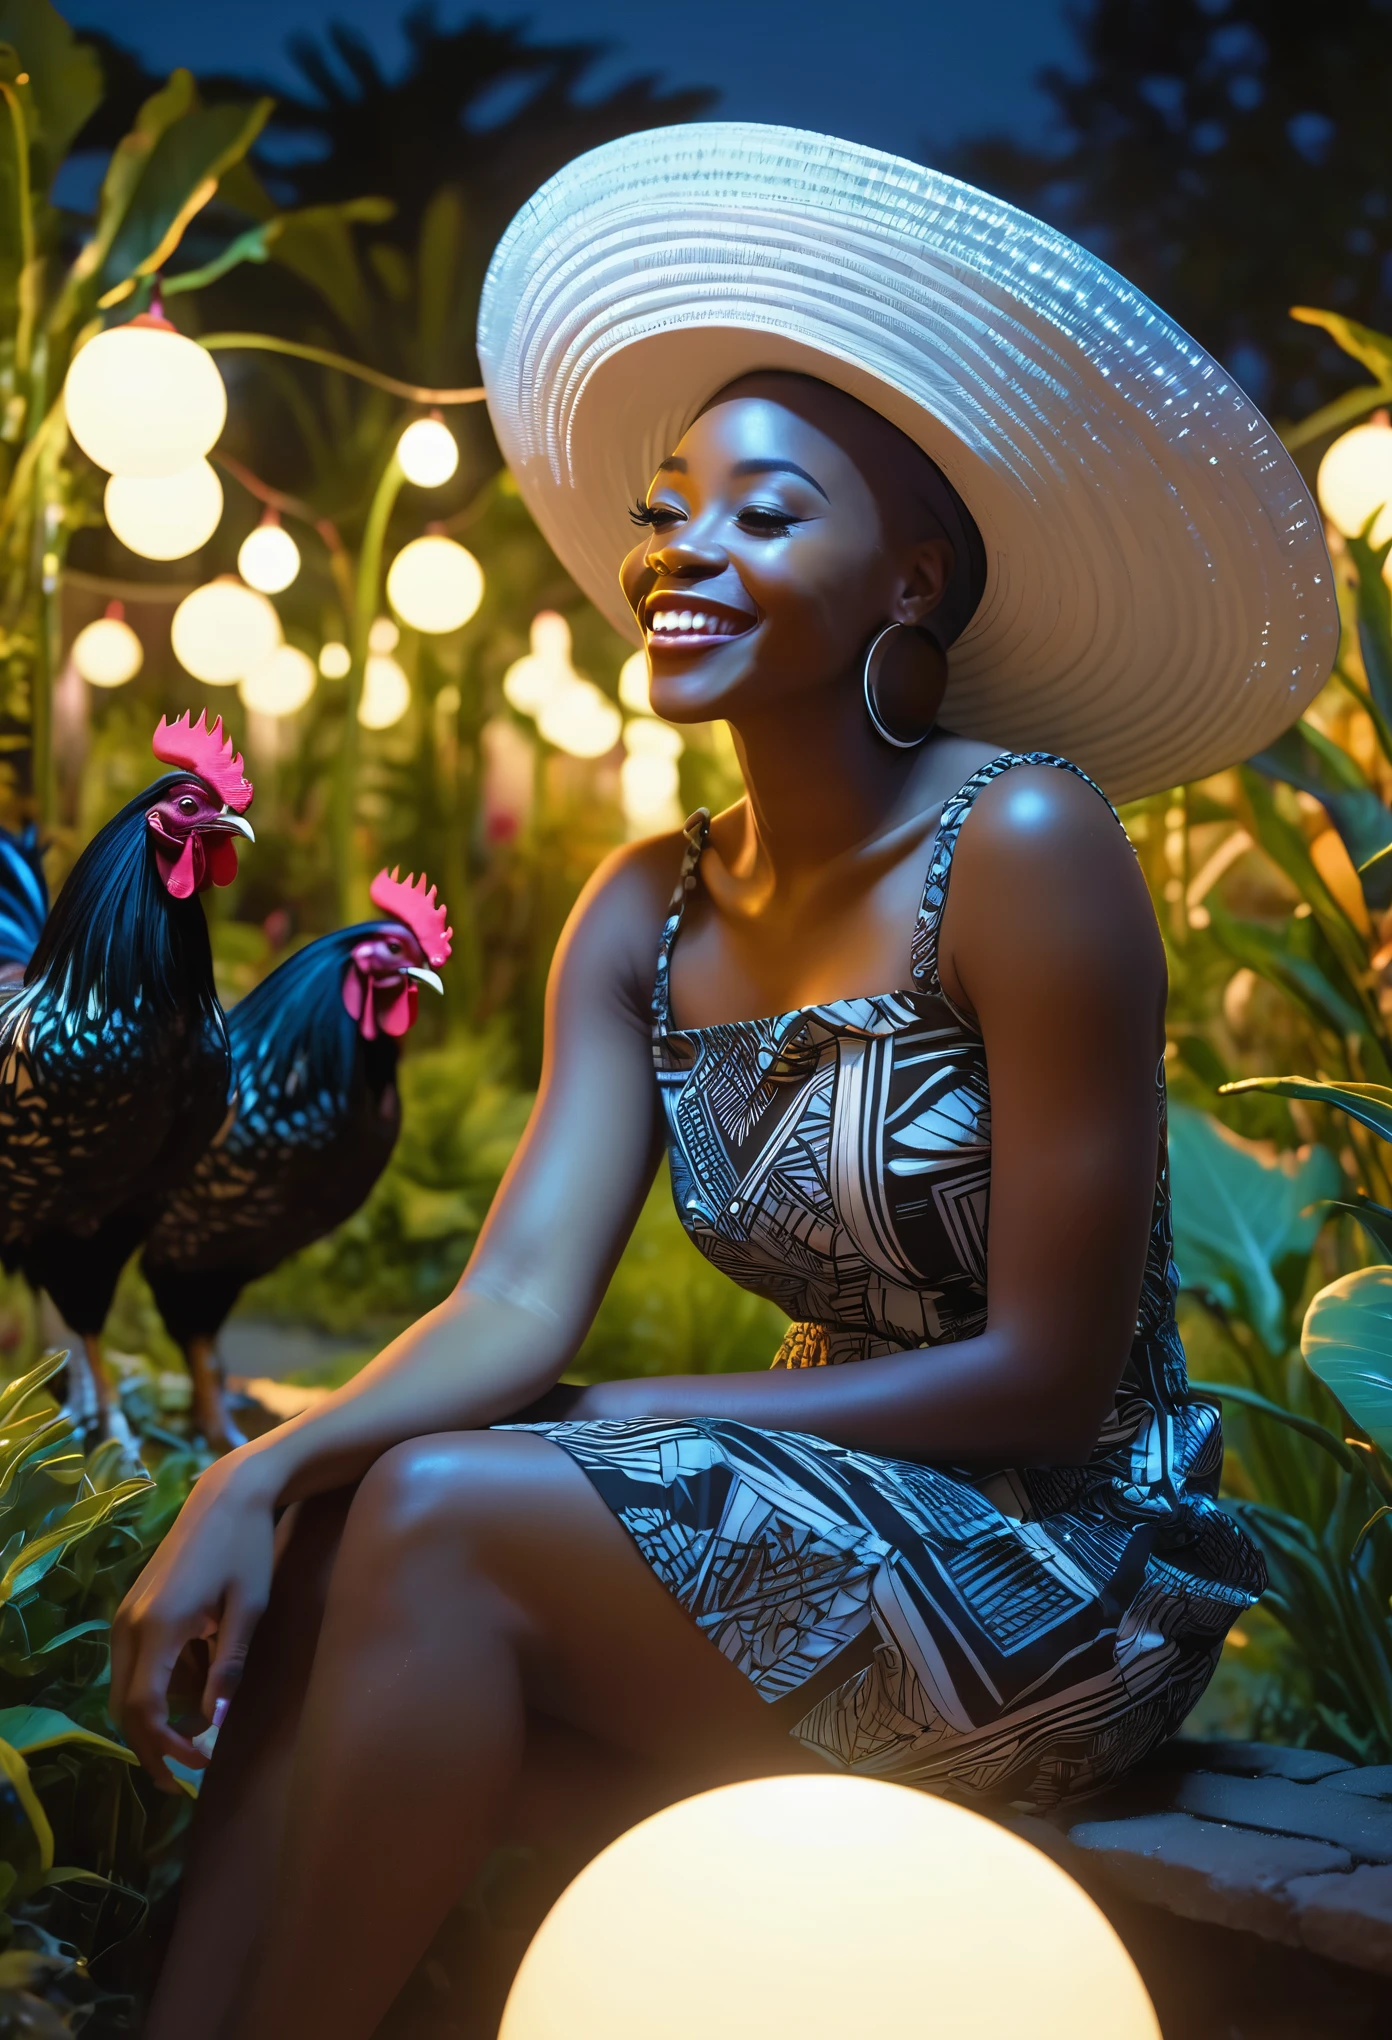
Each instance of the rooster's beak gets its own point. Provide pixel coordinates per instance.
(424, 976)
(231, 820)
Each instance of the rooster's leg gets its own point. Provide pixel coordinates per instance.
(210, 1414)
(94, 1401)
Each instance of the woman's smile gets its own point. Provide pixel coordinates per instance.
(680, 621)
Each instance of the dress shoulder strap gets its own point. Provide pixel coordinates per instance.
(955, 812)
(696, 830)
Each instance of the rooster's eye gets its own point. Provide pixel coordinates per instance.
(188, 805)
(393, 945)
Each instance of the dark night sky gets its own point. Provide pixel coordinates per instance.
(902, 74)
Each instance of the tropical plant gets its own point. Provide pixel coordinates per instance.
(85, 1844)
(1229, 155)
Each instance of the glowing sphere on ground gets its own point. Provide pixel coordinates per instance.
(269, 559)
(143, 400)
(428, 453)
(633, 684)
(165, 517)
(581, 720)
(435, 584)
(383, 635)
(223, 631)
(1355, 480)
(386, 693)
(108, 652)
(824, 1907)
(335, 660)
(282, 684)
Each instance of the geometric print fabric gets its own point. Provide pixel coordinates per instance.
(1029, 1635)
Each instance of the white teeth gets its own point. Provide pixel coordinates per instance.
(685, 622)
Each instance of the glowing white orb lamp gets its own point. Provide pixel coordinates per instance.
(141, 399)
(386, 693)
(335, 660)
(633, 684)
(646, 737)
(165, 517)
(383, 635)
(428, 453)
(580, 720)
(822, 1907)
(545, 669)
(648, 789)
(281, 684)
(269, 558)
(224, 630)
(108, 652)
(1355, 480)
(435, 584)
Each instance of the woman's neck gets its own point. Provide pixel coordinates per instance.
(823, 788)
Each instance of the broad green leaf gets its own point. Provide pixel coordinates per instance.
(439, 261)
(1347, 1342)
(42, 1728)
(1240, 1210)
(1304, 757)
(1370, 1104)
(178, 180)
(65, 80)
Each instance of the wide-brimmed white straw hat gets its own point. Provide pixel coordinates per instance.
(1158, 601)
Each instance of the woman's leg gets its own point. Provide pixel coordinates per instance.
(479, 1578)
(227, 1879)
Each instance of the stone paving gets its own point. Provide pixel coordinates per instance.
(1290, 1845)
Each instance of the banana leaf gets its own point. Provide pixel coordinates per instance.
(1239, 1214)
(65, 80)
(178, 178)
(1347, 1342)
(20, 1808)
(1369, 1104)
(1305, 758)
(1374, 620)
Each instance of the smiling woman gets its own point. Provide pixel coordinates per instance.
(897, 1018)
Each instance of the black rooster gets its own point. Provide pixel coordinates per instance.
(314, 1052)
(115, 1072)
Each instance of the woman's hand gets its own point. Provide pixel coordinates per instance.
(209, 1581)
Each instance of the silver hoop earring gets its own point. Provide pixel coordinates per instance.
(877, 721)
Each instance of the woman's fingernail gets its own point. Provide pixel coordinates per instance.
(220, 1708)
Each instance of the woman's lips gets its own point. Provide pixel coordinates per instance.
(669, 622)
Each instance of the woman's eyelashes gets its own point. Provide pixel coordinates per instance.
(761, 520)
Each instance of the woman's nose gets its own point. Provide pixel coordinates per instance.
(687, 553)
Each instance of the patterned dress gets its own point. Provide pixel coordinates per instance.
(1024, 1635)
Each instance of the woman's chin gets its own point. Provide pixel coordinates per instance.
(695, 687)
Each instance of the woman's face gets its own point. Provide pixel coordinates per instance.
(780, 535)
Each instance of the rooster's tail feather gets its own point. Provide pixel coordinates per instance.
(23, 896)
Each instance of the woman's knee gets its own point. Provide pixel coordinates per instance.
(456, 1493)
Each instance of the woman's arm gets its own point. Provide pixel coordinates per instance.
(558, 1225)
(1050, 939)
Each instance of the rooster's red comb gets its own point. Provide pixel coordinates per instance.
(206, 752)
(406, 899)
